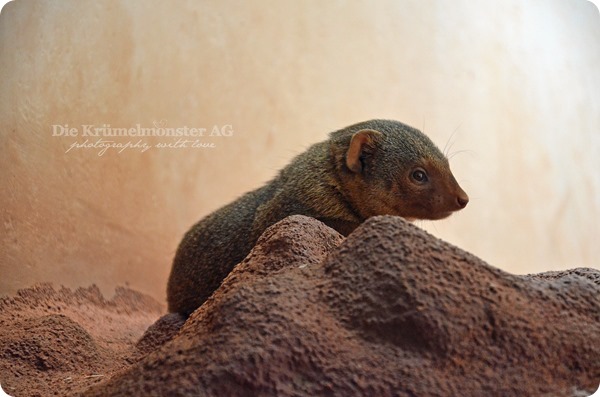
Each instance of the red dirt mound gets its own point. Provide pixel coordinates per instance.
(390, 311)
(58, 342)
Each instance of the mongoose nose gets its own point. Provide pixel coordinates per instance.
(462, 200)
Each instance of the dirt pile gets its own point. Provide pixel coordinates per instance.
(390, 311)
(56, 342)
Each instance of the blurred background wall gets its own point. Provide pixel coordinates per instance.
(513, 86)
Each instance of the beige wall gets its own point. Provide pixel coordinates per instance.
(515, 84)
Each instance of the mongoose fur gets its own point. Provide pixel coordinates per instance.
(377, 167)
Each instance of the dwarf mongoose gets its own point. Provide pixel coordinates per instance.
(377, 167)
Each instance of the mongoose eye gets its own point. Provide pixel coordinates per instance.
(419, 175)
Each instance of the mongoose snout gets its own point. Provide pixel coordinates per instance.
(462, 200)
(377, 167)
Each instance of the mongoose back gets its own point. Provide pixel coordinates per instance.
(377, 167)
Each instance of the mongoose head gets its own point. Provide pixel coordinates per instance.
(389, 168)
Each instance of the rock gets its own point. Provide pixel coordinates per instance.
(390, 311)
(159, 333)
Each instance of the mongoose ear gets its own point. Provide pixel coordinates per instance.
(362, 144)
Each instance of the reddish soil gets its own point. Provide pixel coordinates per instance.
(57, 342)
(388, 311)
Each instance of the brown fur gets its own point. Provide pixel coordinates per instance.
(363, 170)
